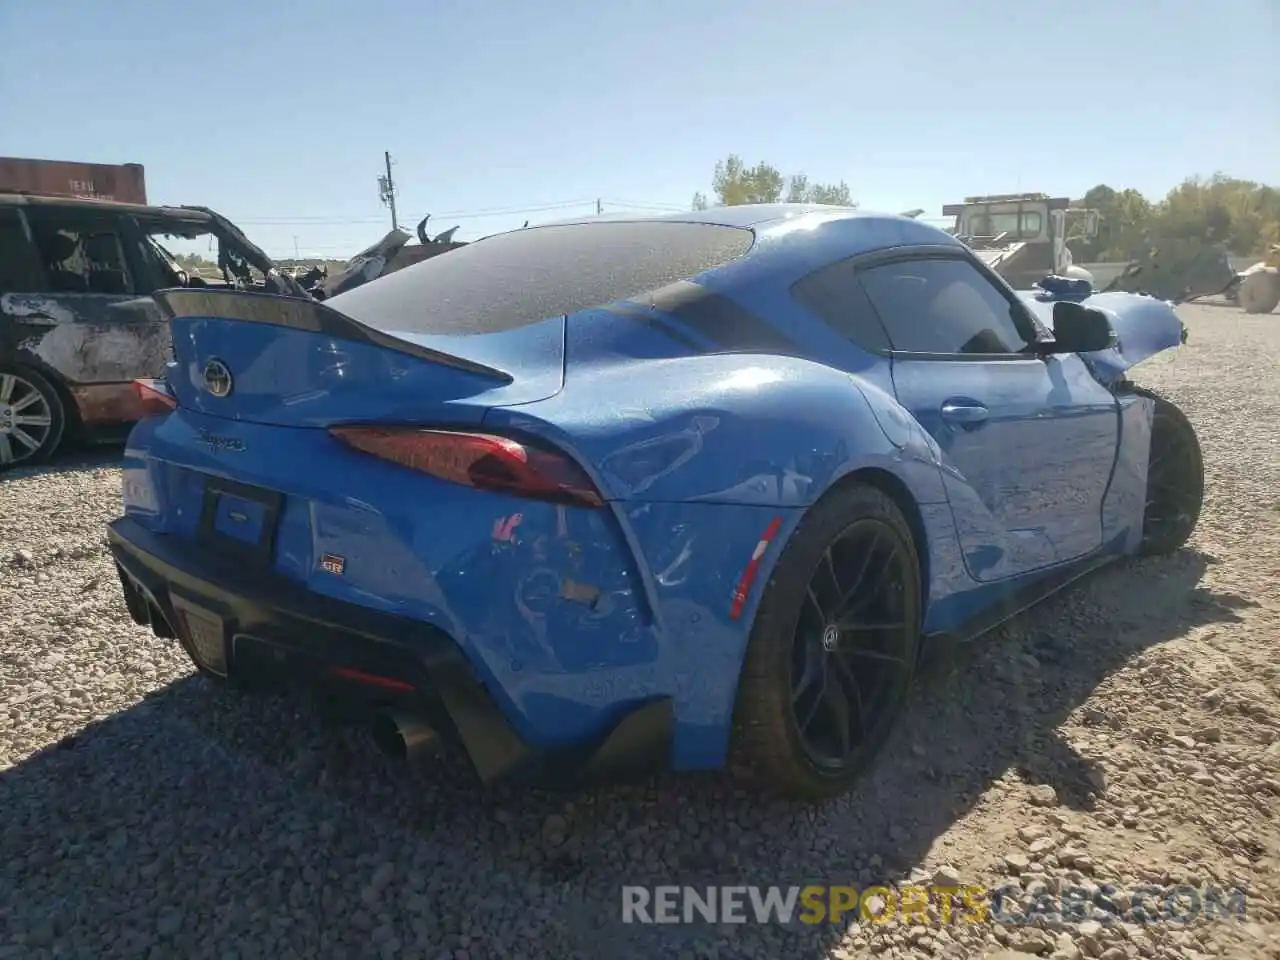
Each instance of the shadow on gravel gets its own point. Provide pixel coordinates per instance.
(79, 459)
(259, 823)
(1219, 304)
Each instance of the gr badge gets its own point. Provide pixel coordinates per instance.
(332, 563)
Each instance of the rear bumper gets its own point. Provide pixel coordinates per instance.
(245, 621)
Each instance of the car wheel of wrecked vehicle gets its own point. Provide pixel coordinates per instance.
(1175, 479)
(833, 649)
(1259, 291)
(32, 418)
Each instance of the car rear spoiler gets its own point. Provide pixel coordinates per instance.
(304, 314)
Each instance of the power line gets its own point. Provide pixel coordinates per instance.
(446, 215)
(318, 221)
(646, 205)
(319, 251)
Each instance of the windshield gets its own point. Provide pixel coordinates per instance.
(1018, 226)
(206, 258)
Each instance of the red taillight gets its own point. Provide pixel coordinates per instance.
(154, 397)
(478, 460)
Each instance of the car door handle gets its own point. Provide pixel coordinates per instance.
(964, 412)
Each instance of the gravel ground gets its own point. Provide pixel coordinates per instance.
(1124, 733)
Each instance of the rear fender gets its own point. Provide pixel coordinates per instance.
(767, 435)
(710, 462)
(735, 429)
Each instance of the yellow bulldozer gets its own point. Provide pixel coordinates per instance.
(1182, 270)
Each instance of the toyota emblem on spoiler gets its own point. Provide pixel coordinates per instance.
(217, 378)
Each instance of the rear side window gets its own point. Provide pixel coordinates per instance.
(521, 277)
(835, 296)
(81, 254)
(942, 306)
(19, 264)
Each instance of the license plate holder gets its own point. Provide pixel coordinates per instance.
(239, 521)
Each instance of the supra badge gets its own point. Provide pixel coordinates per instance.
(332, 563)
(216, 442)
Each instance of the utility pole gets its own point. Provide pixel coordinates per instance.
(599, 208)
(387, 190)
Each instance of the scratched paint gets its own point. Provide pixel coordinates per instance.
(35, 309)
(94, 353)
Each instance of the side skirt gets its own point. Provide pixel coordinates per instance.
(941, 647)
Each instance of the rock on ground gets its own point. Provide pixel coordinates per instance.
(1124, 733)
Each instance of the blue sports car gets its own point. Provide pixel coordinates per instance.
(695, 490)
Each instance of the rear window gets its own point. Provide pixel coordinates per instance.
(528, 275)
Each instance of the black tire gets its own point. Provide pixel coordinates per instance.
(25, 394)
(769, 747)
(1175, 479)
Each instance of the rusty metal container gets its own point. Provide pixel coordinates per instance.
(124, 182)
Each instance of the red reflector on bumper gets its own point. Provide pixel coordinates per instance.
(753, 567)
(372, 679)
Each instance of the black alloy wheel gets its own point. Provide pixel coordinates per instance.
(1175, 479)
(853, 646)
(833, 647)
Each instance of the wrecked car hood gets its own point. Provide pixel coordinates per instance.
(256, 255)
(368, 264)
(1177, 270)
(1144, 326)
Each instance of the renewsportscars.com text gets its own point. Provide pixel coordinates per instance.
(926, 904)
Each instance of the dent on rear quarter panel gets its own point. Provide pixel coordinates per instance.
(738, 429)
(699, 455)
(695, 555)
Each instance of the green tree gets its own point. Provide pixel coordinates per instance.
(1242, 215)
(193, 261)
(1239, 213)
(1124, 215)
(734, 183)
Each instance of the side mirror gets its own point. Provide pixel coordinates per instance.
(1079, 329)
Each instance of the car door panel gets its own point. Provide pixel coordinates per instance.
(1027, 442)
(94, 337)
(1001, 535)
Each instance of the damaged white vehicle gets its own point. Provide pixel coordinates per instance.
(77, 322)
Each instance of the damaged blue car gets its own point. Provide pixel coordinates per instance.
(693, 490)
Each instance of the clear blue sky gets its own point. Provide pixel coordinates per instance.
(277, 114)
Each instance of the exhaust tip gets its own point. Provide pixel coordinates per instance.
(404, 737)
